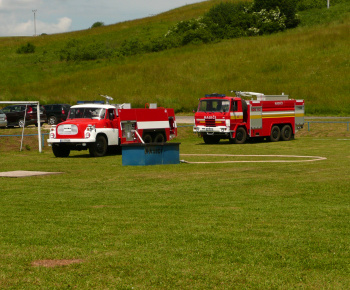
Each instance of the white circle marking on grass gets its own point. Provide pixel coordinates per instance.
(305, 158)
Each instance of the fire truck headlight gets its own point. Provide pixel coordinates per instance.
(87, 134)
(52, 135)
(227, 123)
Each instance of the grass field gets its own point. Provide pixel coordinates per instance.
(192, 226)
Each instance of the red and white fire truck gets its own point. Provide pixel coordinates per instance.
(273, 116)
(97, 127)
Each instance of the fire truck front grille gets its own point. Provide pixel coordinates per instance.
(210, 122)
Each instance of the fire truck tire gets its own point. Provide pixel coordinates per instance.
(241, 136)
(60, 150)
(99, 148)
(159, 138)
(286, 133)
(211, 139)
(275, 134)
(147, 138)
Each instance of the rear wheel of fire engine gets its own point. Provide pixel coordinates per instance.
(21, 123)
(99, 148)
(275, 134)
(159, 138)
(286, 133)
(211, 139)
(147, 138)
(60, 150)
(241, 136)
(52, 120)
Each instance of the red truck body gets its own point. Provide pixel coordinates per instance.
(97, 127)
(222, 117)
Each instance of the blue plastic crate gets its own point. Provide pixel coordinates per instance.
(150, 154)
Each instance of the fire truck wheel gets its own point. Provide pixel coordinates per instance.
(286, 133)
(60, 150)
(211, 139)
(159, 138)
(241, 136)
(99, 148)
(275, 134)
(147, 138)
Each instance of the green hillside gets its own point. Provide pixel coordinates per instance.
(309, 62)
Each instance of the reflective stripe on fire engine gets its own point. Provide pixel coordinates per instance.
(236, 115)
(255, 117)
(153, 125)
(279, 114)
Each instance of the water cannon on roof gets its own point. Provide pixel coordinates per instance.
(261, 96)
(108, 98)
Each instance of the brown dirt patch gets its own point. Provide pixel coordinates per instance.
(55, 263)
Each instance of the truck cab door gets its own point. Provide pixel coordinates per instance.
(112, 118)
(235, 115)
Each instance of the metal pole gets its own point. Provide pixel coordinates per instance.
(328, 4)
(39, 128)
(34, 11)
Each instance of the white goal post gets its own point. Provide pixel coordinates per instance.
(37, 103)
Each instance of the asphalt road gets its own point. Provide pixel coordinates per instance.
(190, 119)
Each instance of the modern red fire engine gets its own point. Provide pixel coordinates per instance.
(273, 116)
(97, 127)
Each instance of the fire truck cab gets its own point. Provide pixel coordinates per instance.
(275, 117)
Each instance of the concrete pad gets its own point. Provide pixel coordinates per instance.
(23, 173)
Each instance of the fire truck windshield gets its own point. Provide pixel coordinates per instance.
(86, 113)
(214, 105)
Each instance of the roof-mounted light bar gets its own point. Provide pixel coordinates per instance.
(214, 95)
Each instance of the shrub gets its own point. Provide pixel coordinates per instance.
(266, 22)
(97, 24)
(228, 20)
(286, 7)
(131, 47)
(27, 48)
(162, 43)
(77, 51)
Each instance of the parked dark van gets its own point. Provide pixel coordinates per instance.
(56, 113)
(15, 115)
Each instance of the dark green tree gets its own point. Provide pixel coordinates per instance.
(287, 7)
(97, 24)
(27, 48)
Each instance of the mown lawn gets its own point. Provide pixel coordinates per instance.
(198, 226)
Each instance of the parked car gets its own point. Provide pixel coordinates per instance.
(15, 115)
(56, 113)
(3, 119)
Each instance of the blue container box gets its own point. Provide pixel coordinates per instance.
(150, 154)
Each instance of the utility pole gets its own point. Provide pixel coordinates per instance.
(34, 11)
(328, 4)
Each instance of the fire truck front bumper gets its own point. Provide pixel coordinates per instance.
(70, 141)
(212, 130)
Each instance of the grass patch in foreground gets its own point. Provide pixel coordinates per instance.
(179, 226)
